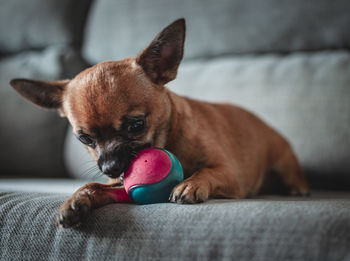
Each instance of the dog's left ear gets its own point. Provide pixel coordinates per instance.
(44, 94)
(162, 57)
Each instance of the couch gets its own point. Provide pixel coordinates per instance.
(287, 61)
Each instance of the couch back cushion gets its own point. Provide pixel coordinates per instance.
(117, 29)
(38, 23)
(305, 96)
(31, 138)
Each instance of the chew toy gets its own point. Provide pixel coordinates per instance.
(152, 175)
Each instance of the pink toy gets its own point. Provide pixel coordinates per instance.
(152, 175)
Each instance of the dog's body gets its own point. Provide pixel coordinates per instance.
(118, 108)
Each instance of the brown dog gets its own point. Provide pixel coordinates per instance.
(117, 108)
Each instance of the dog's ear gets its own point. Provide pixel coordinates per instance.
(44, 94)
(162, 57)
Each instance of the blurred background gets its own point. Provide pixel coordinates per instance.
(287, 61)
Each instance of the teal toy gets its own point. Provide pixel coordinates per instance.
(152, 175)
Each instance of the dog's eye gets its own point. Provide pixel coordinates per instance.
(136, 126)
(86, 139)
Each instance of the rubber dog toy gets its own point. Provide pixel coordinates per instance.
(152, 175)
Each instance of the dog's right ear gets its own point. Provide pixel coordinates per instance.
(162, 57)
(44, 94)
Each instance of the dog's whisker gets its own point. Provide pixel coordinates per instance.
(88, 173)
(92, 171)
(87, 162)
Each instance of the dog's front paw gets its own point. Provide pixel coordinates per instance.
(73, 212)
(189, 192)
(302, 191)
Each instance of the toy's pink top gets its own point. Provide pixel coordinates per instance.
(149, 166)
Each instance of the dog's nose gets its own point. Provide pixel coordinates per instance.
(111, 168)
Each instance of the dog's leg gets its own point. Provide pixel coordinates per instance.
(205, 183)
(88, 197)
(291, 174)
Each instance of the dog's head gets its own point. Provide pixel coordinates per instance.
(117, 108)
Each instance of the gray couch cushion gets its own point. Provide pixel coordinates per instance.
(271, 228)
(31, 138)
(39, 23)
(117, 29)
(57, 185)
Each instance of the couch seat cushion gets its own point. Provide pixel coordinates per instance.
(263, 228)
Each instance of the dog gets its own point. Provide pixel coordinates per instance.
(117, 108)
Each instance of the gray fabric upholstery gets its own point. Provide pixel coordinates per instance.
(271, 228)
(57, 185)
(32, 138)
(39, 23)
(117, 29)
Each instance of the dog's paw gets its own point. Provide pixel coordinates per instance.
(301, 191)
(73, 212)
(189, 192)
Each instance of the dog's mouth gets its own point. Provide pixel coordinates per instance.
(124, 158)
(133, 154)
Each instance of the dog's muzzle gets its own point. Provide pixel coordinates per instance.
(114, 163)
(112, 168)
